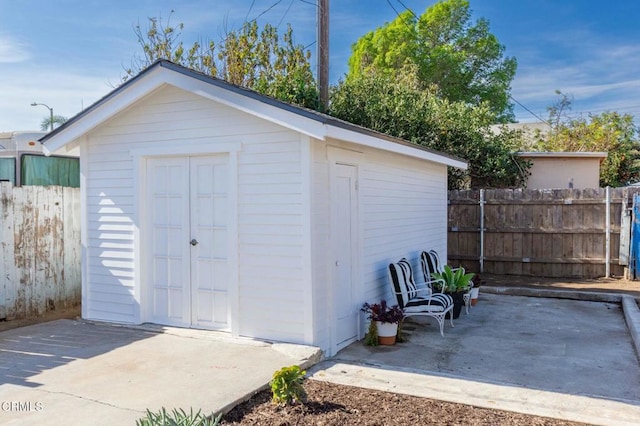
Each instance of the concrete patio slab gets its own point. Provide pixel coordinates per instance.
(567, 359)
(78, 373)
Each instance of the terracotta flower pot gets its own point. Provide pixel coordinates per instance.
(474, 295)
(387, 332)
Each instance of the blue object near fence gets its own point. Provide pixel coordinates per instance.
(634, 265)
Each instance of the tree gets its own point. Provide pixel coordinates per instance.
(45, 124)
(462, 58)
(249, 57)
(399, 106)
(609, 132)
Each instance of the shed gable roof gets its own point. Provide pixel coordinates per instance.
(311, 123)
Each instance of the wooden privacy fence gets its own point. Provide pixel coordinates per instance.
(39, 249)
(548, 233)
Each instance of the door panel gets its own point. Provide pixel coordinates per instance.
(344, 248)
(209, 259)
(188, 199)
(168, 208)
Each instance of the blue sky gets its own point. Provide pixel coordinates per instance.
(69, 53)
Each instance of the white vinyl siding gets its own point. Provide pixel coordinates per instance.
(270, 214)
(403, 211)
(321, 261)
(404, 204)
(271, 238)
(280, 181)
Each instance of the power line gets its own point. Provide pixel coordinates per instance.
(406, 8)
(407, 24)
(267, 9)
(250, 9)
(529, 111)
(285, 14)
(631, 107)
(394, 9)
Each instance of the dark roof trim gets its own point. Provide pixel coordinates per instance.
(304, 112)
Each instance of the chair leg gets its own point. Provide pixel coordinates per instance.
(467, 302)
(451, 317)
(440, 319)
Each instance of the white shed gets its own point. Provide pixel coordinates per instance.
(210, 206)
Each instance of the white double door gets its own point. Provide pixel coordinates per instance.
(187, 261)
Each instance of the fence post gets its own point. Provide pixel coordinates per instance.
(607, 269)
(481, 230)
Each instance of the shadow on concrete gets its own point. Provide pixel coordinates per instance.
(28, 351)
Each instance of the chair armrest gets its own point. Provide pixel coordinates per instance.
(418, 290)
(431, 283)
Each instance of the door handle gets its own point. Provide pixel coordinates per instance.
(193, 242)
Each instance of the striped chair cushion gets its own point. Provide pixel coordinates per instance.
(402, 280)
(427, 266)
(424, 305)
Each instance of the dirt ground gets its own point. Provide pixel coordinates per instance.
(604, 285)
(331, 404)
(73, 312)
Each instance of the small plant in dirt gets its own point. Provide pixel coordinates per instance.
(286, 386)
(178, 417)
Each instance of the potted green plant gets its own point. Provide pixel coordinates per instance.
(384, 320)
(455, 283)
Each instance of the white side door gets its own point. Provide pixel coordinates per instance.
(188, 258)
(344, 242)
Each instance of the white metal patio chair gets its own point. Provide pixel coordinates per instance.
(418, 301)
(430, 262)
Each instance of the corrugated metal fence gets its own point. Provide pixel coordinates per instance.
(39, 249)
(546, 233)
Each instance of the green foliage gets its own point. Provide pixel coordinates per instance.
(162, 41)
(371, 338)
(398, 106)
(454, 281)
(609, 132)
(462, 58)
(45, 124)
(178, 418)
(251, 57)
(286, 385)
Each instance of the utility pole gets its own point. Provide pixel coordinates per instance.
(323, 53)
